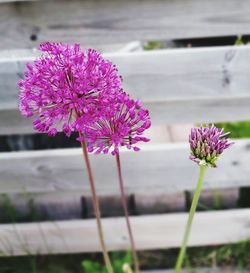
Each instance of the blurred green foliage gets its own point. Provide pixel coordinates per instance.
(239, 41)
(77, 263)
(118, 260)
(236, 129)
(152, 45)
(229, 255)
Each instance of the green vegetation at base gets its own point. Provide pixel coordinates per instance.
(118, 260)
(42, 264)
(235, 255)
(78, 263)
(232, 255)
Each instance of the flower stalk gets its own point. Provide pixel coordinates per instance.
(206, 146)
(96, 207)
(125, 208)
(188, 227)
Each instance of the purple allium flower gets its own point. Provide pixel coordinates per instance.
(207, 144)
(63, 83)
(122, 123)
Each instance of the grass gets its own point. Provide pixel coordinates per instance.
(78, 263)
(229, 255)
(118, 259)
(44, 264)
(235, 255)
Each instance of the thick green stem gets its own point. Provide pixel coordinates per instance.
(190, 220)
(96, 209)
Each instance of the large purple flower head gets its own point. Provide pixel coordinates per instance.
(65, 82)
(207, 144)
(122, 123)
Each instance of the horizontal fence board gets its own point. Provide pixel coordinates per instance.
(14, 1)
(178, 86)
(74, 205)
(53, 206)
(155, 169)
(172, 112)
(26, 24)
(150, 232)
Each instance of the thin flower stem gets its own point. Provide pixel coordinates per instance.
(190, 220)
(96, 209)
(125, 208)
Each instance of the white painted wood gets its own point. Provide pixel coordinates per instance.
(150, 232)
(205, 110)
(159, 134)
(109, 21)
(157, 168)
(179, 132)
(134, 46)
(178, 86)
(171, 74)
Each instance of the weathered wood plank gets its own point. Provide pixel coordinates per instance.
(51, 206)
(161, 112)
(26, 24)
(150, 232)
(217, 199)
(162, 74)
(155, 169)
(10, 1)
(149, 203)
(178, 86)
(41, 206)
(180, 132)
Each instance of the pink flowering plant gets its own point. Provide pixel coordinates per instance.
(119, 124)
(206, 145)
(71, 90)
(122, 123)
(66, 83)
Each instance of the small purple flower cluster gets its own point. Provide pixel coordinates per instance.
(122, 125)
(70, 89)
(207, 144)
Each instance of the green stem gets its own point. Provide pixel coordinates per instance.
(190, 220)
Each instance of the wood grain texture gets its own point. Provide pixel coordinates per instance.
(155, 169)
(149, 203)
(178, 86)
(161, 112)
(26, 24)
(51, 206)
(150, 232)
(14, 1)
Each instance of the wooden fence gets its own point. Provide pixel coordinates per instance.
(177, 85)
